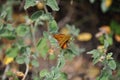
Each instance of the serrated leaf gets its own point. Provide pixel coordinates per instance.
(72, 30)
(9, 27)
(95, 53)
(22, 30)
(112, 64)
(12, 52)
(53, 5)
(61, 61)
(42, 47)
(106, 44)
(46, 16)
(7, 32)
(27, 60)
(75, 49)
(95, 60)
(53, 41)
(110, 40)
(43, 73)
(36, 15)
(3, 14)
(101, 39)
(35, 63)
(102, 78)
(53, 28)
(63, 76)
(29, 3)
(20, 59)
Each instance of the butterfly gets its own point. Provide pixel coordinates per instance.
(62, 39)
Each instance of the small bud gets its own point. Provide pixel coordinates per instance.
(51, 51)
(40, 5)
(102, 58)
(29, 21)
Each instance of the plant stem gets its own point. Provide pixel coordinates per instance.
(26, 72)
(4, 75)
(33, 35)
(45, 8)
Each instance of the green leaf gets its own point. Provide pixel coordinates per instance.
(105, 74)
(22, 30)
(53, 28)
(35, 78)
(29, 3)
(35, 63)
(7, 32)
(103, 78)
(55, 73)
(46, 17)
(106, 44)
(101, 39)
(95, 53)
(20, 60)
(61, 61)
(109, 56)
(52, 57)
(73, 49)
(53, 41)
(115, 27)
(12, 52)
(73, 30)
(63, 76)
(96, 60)
(9, 27)
(53, 5)
(110, 40)
(1, 26)
(9, 13)
(36, 15)
(3, 14)
(42, 47)
(43, 73)
(27, 60)
(112, 64)
(9, 73)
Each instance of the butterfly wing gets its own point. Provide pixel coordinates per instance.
(62, 39)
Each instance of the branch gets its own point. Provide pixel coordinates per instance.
(4, 75)
(26, 72)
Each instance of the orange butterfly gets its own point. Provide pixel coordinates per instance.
(62, 40)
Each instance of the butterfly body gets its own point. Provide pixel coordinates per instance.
(62, 40)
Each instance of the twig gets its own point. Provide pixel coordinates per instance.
(33, 30)
(26, 72)
(22, 4)
(4, 75)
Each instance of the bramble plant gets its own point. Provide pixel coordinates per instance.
(101, 55)
(25, 52)
(21, 44)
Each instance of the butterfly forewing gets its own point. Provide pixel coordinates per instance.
(62, 39)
